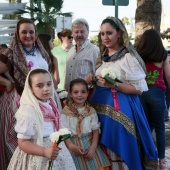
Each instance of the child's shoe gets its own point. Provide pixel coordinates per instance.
(164, 164)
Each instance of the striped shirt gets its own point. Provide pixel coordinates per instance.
(80, 64)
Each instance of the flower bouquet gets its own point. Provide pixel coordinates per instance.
(111, 75)
(56, 138)
(62, 94)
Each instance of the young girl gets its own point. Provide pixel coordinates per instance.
(81, 119)
(38, 117)
(48, 44)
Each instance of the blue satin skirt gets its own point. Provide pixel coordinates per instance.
(126, 132)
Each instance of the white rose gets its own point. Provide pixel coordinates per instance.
(113, 72)
(63, 94)
(64, 131)
(104, 72)
(54, 136)
(117, 72)
(112, 75)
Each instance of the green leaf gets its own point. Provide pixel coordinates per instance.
(63, 138)
(108, 79)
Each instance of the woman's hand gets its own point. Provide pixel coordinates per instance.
(89, 154)
(103, 82)
(51, 152)
(9, 86)
(89, 78)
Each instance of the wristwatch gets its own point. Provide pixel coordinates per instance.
(116, 85)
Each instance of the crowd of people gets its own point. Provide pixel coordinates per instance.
(111, 128)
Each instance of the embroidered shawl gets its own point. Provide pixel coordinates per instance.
(71, 110)
(17, 63)
(51, 115)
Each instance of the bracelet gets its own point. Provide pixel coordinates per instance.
(116, 86)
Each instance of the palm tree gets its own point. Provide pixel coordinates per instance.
(44, 13)
(148, 15)
(166, 34)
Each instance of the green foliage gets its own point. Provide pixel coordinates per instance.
(166, 34)
(44, 13)
(125, 21)
(94, 40)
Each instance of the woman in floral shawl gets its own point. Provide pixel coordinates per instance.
(124, 128)
(25, 52)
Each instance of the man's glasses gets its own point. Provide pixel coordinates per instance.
(70, 37)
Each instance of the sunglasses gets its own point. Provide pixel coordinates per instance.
(70, 37)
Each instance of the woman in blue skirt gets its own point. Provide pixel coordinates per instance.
(124, 128)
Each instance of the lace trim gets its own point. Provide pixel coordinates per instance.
(139, 85)
(26, 126)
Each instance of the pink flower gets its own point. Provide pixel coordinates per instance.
(30, 64)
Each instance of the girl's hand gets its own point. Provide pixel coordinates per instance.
(51, 152)
(78, 151)
(90, 153)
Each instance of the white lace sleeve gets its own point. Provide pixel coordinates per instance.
(134, 74)
(25, 124)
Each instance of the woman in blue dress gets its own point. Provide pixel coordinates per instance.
(124, 128)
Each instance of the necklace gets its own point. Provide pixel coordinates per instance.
(30, 52)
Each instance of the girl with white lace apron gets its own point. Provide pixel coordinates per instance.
(38, 117)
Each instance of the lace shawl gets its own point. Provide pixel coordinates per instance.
(126, 43)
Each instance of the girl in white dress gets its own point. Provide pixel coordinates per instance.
(81, 119)
(38, 117)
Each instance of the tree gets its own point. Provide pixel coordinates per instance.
(166, 34)
(94, 40)
(44, 13)
(148, 15)
(125, 21)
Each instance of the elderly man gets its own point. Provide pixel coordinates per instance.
(81, 58)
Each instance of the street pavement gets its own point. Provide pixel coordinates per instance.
(167, 130)
(167, 150)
